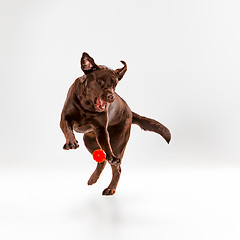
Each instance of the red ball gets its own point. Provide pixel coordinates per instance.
(99, 155)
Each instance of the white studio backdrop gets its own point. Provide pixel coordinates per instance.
(183, 70)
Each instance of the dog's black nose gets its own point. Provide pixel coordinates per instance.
(109, 97)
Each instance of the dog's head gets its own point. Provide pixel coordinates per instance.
(99, 84)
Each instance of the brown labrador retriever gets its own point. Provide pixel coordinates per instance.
(94, 108)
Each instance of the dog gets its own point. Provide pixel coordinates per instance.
(94, 108)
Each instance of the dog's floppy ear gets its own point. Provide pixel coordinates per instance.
(87, 64)
(121, 71)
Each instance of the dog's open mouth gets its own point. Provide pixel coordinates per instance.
(100, 104)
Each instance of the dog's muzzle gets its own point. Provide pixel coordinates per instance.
(108, 97)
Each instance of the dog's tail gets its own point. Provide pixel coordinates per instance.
(148, 124)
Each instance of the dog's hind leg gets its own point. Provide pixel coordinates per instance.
(116, 172)
(91, 144)
(119, 136)
(96, 174)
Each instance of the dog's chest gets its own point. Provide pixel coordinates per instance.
(82, 127)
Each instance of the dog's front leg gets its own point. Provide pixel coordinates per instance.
(71, 142)
(104, 142)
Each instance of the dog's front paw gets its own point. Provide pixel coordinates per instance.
(71, 145)
(114, 160)
(108, 191)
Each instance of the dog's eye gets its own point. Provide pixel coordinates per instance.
(100, 82)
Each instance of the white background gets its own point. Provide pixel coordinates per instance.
(183, 70)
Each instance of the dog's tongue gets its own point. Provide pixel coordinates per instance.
(100, 104)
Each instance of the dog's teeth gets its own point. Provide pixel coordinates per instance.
(101, 105)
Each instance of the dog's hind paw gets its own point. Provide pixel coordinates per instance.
(108, 191)
(71, 145)
(93, 179)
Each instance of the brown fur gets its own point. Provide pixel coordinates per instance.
(94, 108)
